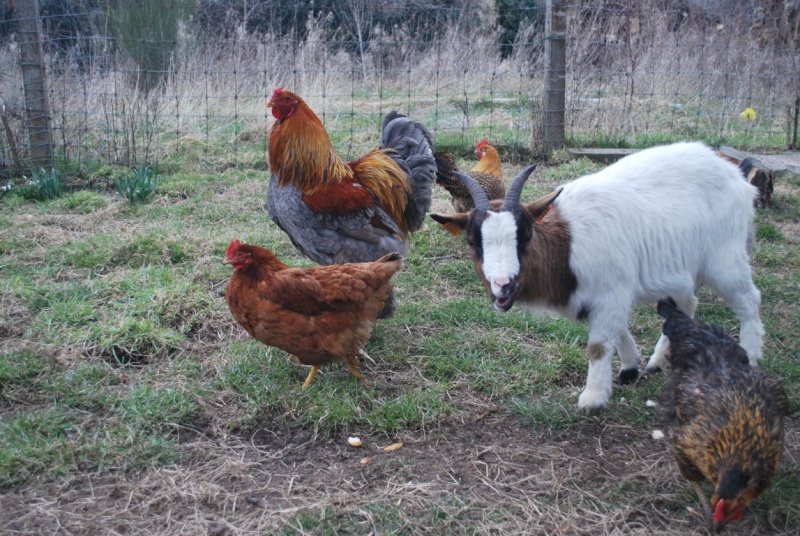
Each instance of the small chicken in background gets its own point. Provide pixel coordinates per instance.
(487, 172)
(335, 211)
(756, 173)
(319, 314)
(724, 417)
(761, 177)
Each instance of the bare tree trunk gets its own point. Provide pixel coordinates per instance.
(37, 109)
(12, 142)
(555, 50)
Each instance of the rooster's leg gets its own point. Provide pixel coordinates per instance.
(352, 363)
(703, 500)
(311, 374)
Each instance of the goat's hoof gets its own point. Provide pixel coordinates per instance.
(653, 370)
(589, 401)
(627, 376)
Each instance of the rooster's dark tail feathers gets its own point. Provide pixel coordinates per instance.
(412, 146)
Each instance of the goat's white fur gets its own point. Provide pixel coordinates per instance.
(658, 223)
(500, 261)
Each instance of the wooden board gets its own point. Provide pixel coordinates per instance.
(605, 156)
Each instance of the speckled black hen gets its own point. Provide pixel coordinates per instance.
(724, 417)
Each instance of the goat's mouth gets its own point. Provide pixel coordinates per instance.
(505, 300)
(503, 303)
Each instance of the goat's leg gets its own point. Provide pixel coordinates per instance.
(598, 381)
(745, 304)
(733, 281)
(658, 361)
(629, 358)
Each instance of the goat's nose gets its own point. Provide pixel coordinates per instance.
(500, 286)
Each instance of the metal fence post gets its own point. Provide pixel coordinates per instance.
(37, 109)
(555, 50)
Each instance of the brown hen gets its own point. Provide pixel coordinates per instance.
(319, 314)
(487, 172)
(724, 417)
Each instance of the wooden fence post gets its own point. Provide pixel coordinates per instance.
(555, 50)
(37, 109)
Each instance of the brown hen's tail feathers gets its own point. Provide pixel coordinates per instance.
(445, 166)
(390, 257)
(394, 261)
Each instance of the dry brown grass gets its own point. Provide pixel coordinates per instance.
(632, 76)
(486, 476)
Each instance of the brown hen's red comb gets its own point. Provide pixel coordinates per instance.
(233, 246)
(482, 143)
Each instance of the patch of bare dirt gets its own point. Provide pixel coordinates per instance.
(490, 474)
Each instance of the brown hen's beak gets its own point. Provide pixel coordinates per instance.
(227, 261)
(270, 104)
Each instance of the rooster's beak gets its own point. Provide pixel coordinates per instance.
(270, 104)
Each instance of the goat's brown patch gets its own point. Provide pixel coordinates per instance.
(596, 351)
(547, 262)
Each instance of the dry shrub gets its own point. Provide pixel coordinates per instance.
(637, 62)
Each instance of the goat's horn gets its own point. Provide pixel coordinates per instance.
(476, 190)
(515, 190)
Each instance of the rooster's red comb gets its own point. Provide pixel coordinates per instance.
(277, 93)
(482, 143)
(233, 246)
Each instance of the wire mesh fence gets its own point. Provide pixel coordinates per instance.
(188, 80)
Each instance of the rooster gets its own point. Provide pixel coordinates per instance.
(487, 172)
(319, 314)
(725, 418)
(336, 211)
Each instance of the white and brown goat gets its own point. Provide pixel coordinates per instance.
(658, 223)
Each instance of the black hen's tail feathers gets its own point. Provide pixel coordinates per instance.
(695, 344)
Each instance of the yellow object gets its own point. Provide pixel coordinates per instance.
(749, 113)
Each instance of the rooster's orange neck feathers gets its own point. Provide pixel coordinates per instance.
(301, 152)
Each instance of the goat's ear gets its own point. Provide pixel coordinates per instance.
(539, 208)
(452, 223)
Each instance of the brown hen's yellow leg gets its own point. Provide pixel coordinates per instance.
(352, 363)
(311, 374)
